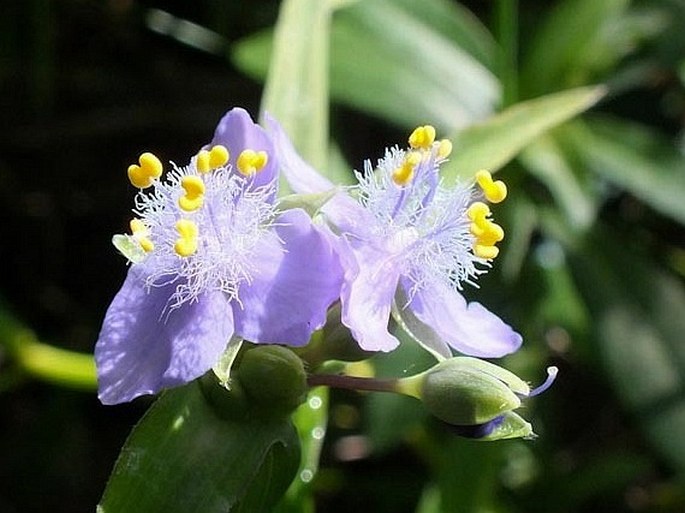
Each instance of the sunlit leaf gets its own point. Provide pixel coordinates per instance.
(296, 91)
(410, 76)
(410, 73)
(495, 142)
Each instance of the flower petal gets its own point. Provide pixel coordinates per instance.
(302, 178)
(470, 329)
(298, 275)
(144, 347)
(341, 211)
(367, 300)
(238, 132)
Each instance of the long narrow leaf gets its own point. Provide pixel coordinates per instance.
(494, 143)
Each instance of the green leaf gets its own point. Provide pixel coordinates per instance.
(638, 324)
(410, 73)
(570, 44)
(633, 157)
(456, 23)
(410, 76)
(492, 144)
(311, 421)
(546, 160)
(189, 454)
(296, 90)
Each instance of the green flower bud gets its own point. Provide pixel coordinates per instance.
(273, 379)
(461, 393)
(476, 398)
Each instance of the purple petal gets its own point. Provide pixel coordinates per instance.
(238, 132)
(470, 329)
(367, 300)
(302, 178)
(144, 347)
(342, 211)
(298, 275)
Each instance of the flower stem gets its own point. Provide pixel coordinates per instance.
(45, 362)
(353, 383)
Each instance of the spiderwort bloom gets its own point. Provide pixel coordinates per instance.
(409, 244)
(212, 258)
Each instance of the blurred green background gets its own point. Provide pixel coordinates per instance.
(591, 270)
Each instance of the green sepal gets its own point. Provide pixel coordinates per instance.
(222, 368)
(310, 203)
(129, 247)
(187, 455)
(512, 426)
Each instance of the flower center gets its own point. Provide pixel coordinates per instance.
(198, 227)
(443, 233)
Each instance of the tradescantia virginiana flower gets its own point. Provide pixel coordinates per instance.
(212, 258)
(409, 243)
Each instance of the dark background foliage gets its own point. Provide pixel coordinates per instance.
(86, 86)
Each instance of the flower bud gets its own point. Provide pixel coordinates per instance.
(474, 397)
(273, 379)
(459, 393)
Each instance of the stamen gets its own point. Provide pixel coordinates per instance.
(487, 252)
(444, 148)
(216, 157)
(487, 233)
(551, 376)
(194, 189)
(140, 233)
(477, 212)
(142, 175)
(202, 162)
(405, 173)
(495, 192)
(251, 162)
(422, 137)
(186, 244)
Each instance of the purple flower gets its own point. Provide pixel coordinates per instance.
(409, 243)
(212, 258)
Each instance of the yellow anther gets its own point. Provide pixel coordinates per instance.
(487, 252)
(142, 175)
(208, 160)
(444, 148)
(202, 162)
(495, 192)
(422, 137)
(194, 189)
(140, 233)
(487, 233)
(186, 244)
(218, 156)
(477, 212)
(250, 162)
(405, 173)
